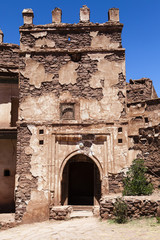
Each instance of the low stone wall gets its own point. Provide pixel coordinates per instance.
(60, 212)
(137, 206)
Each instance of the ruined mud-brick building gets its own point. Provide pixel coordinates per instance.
(70, 125)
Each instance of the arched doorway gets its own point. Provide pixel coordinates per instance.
(81, 183)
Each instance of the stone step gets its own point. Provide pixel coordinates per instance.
(7, 217)
(81, 214)
(82, 207)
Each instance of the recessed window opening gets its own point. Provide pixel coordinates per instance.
(7, 173)
(41, 131)
(120, 129)
(69, 39)
(146, 120)
(67, 111)
(120, 140)
(41, 142)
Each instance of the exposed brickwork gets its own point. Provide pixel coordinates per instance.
(140, 90)
(136, 207)
(9, 58)
(23, 191)
(71, 36)
(52, 63)
(148, 142)
(115, 182)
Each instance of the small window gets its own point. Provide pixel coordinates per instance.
(7, 173)
(41, 131)
(146, 120)
(120, 129)
(120, 140)
(41, 142)
(67, 111)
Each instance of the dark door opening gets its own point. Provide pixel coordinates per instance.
(81, 183)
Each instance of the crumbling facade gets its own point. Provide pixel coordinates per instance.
(78, 124)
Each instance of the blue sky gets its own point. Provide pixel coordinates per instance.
(140, 37)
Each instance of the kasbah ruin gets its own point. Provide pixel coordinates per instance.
(70, 124)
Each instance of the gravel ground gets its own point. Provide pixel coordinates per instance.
(85, 229)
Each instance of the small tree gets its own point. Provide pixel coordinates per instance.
(136, 182)
(120, 210)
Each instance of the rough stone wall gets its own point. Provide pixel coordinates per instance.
(148, 144)
(52, 64)
(115, 182)
(60, 213)
(25, 180)
(72, 36)
(80, 65)
(136, 207)
(67, 62)
(9, 58)
(140, 90)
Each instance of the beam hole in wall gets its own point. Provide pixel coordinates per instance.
(76, 57)
(120, 140)
(41, 142)
(120, 129)
(136, 139)
(7, 173)
(41, 131)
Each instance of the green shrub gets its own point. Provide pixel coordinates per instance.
(120, 210)
(158, 220)
(136, 182)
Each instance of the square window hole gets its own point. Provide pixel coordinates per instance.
(120, 129)
(41, 131)
(120, 140)
(7, 173)
(41, 142)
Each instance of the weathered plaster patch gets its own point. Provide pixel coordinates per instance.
(103, 41)
(68, 74)
(107, 72)
(38, 159)
(39, 34)
(36, 73)
(44, 108)
(90, 109)
(44, 42)
(37, 209)
(65, 96)
(93, 34)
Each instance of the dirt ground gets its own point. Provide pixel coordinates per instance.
(85, 229)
